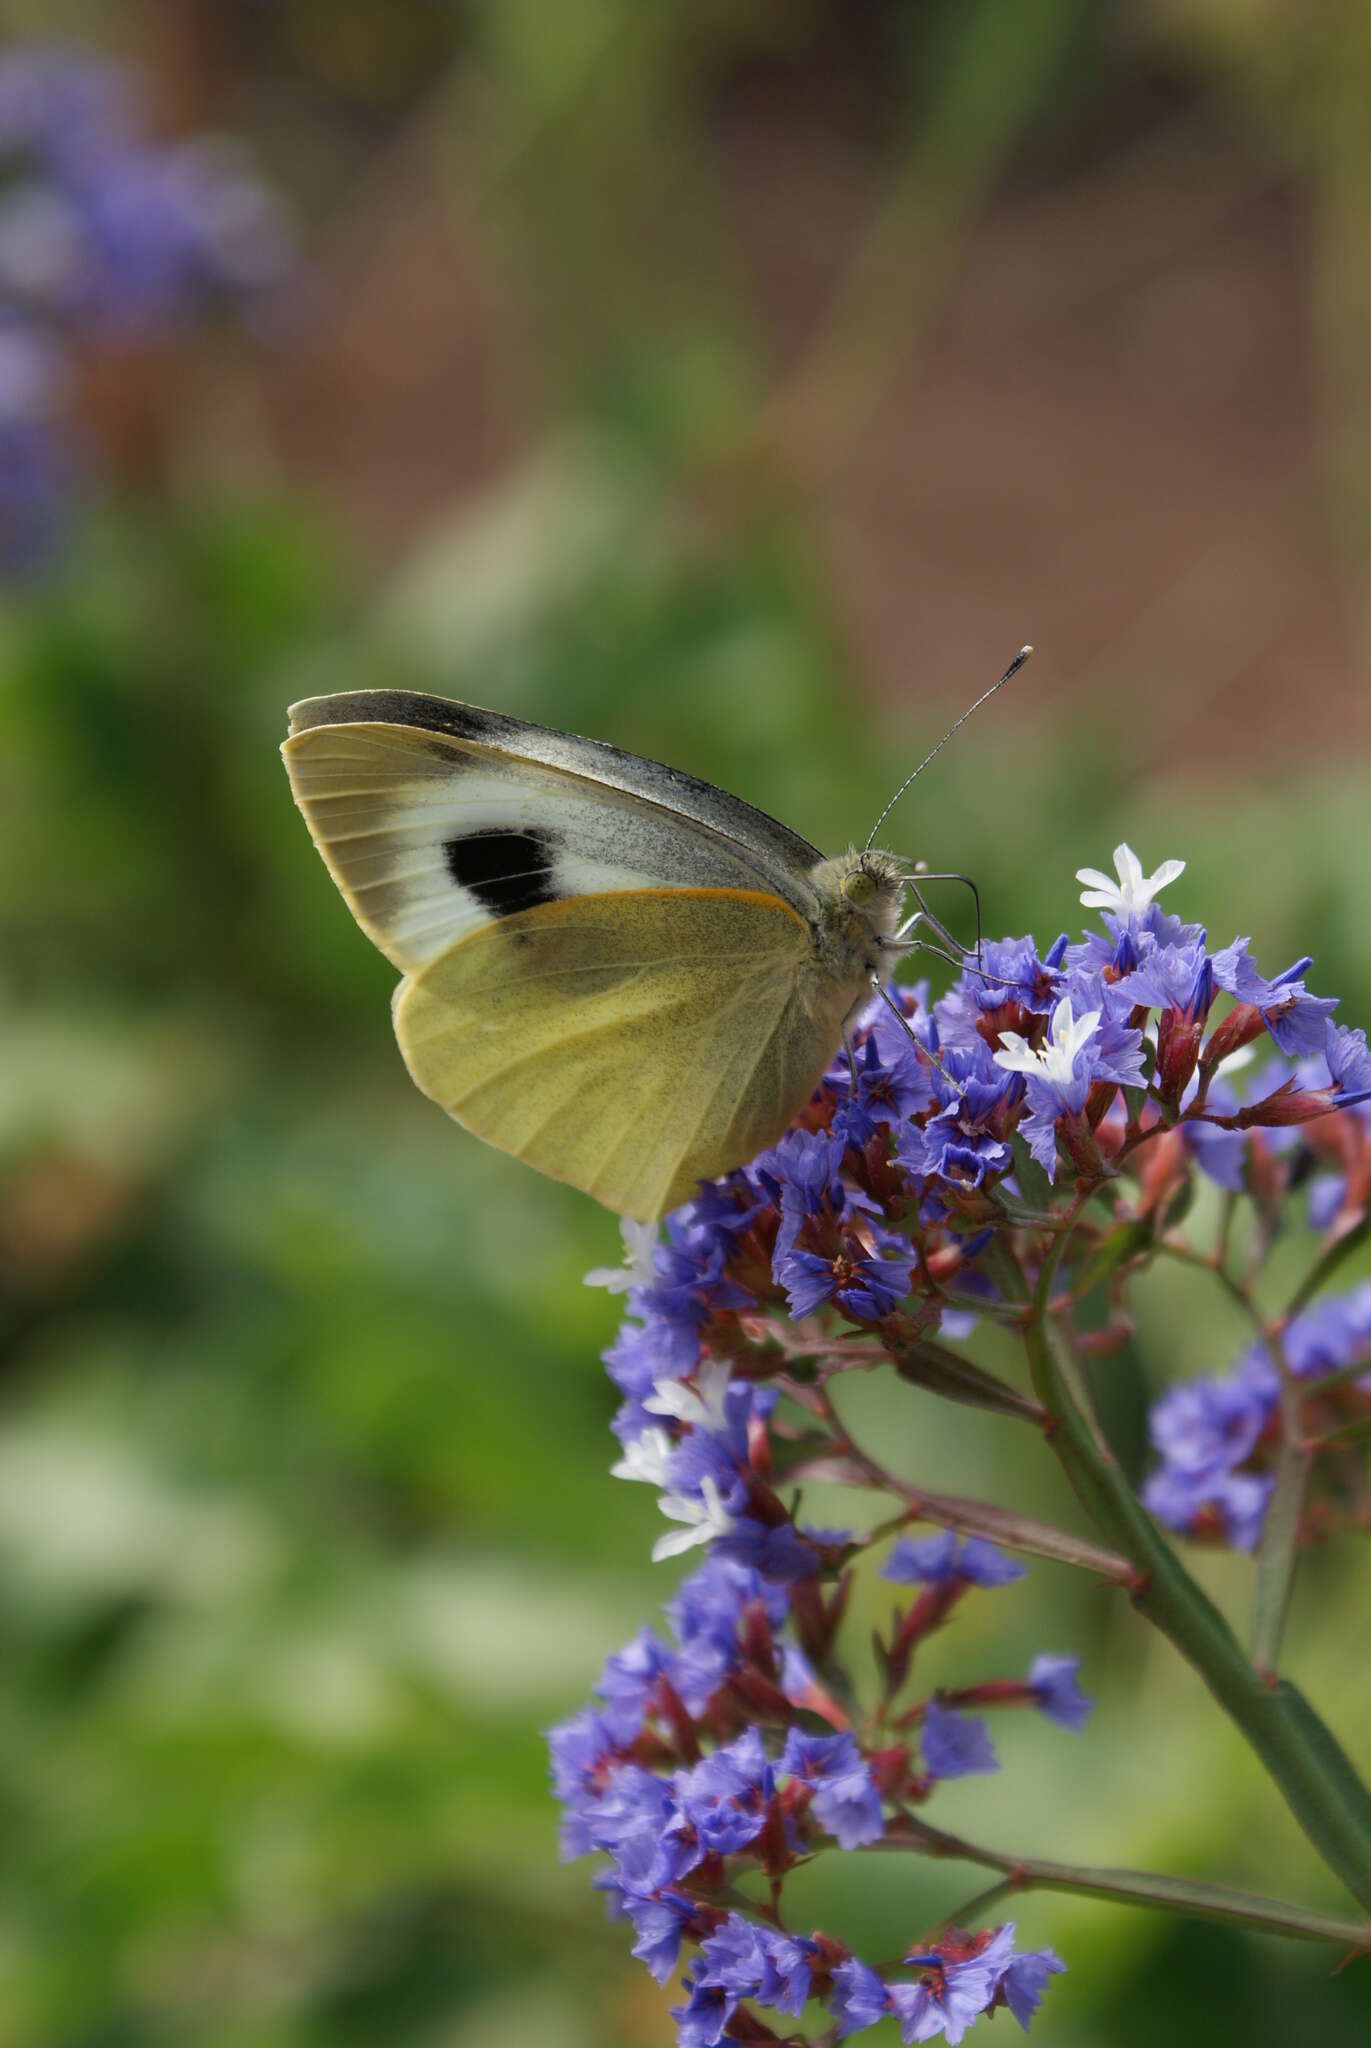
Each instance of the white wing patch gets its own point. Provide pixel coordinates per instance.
(430, 837)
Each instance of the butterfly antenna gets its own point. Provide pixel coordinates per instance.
(1015, 665)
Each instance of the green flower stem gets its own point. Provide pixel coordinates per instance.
(1327, 1264)
(971, 1910)
(847, 1464)
(1279, 1553)
(1126, 1887)
(1319, 1784)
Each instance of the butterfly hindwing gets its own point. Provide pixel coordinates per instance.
(629, 1043)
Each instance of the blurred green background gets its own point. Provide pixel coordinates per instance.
(741, 383)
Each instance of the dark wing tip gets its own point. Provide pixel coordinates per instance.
(366, 707)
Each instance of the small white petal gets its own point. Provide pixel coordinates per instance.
(1133, 891)
(1128, 868)
(705, 1519)
(1017, 1055)
(640, 1242)
(675, 1541)
(1055, 1060)
(614, 1279)
(702, 1409)
(647, 1458)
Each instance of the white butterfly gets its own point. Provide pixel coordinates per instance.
(624, 976)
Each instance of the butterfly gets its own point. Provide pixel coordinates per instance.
(620, 974)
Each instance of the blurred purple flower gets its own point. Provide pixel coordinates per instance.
(955, 1745)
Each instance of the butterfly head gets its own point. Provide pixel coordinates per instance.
(866, 889)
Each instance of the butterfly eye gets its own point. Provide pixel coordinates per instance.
(858, 887)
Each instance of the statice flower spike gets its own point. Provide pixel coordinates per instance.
(1133, 892)
(742, 1740)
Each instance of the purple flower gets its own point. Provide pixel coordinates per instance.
(1294, 1018)
(1205, 1427)
(955, 1745)
(692, 1281)
(659, 1924)
(846, 1801)
(627, 1681)
(803, 1174)
(1025, 1980)
(724, 1797)
(106, 231)
(1058, 1074)
(1327, 1193)
(859, 1998)
(759, 1963)
(892, 1086)
(636, 1819)
(965, 1142)
(703, 2019)
(865, 1287)
(1221, 1155)
(1177, 977)
(1238, 1501)
(951, 1996)
(1349, 1064)
(726, 1207)
(36, 471)
(930, 1560)
(778, 1550)
(643, 1354)
(1331, 1334)
(957, 1983)
(580, 1752)
(707, 1614)
(1058, 1695)
(1011, 971)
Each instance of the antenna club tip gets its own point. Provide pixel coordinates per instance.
(1025, 651)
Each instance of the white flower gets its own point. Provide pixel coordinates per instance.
(705, 1519)
(1055, 1061)
(1133, 891)
(702, 1409)
(640, 1242)
(646, 1458)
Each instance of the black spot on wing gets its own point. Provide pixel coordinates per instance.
(505, 871)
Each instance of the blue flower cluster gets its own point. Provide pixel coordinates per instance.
(1218, 1437)
(877, 1205)
(925, 1168)
(723, 1754)
(104, 236)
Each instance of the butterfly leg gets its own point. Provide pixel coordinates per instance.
(927, 1050)
(851, 1060)
(950, 949)
(924, 916)
(945, 946)
(922, 875)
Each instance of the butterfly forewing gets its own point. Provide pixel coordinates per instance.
(437, 818)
